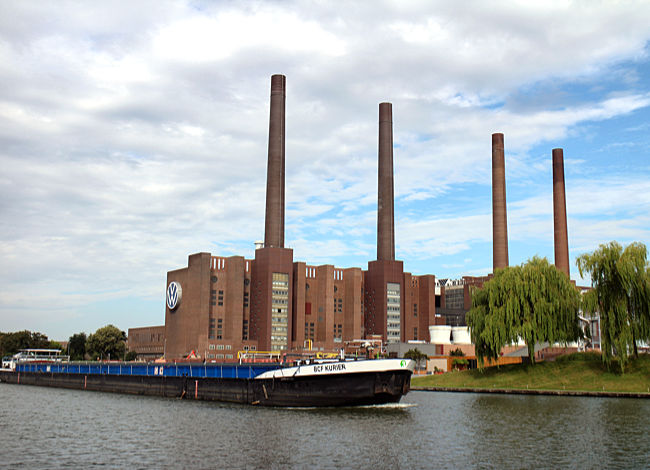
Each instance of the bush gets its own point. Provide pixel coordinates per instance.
(459, 363)
(131, 356)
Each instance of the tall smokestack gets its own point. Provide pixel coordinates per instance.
(274, 222)
(385, 202)
(499, 216)
(559, 214)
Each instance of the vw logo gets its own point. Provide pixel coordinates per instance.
(174, 294)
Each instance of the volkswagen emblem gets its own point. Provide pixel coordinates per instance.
(174, 294)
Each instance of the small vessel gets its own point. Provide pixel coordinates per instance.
(33, 355)
(339, 382)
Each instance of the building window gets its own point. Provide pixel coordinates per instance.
(454, 297)
(338, 331)
(309, 330)
(393, 302)
(279, 311)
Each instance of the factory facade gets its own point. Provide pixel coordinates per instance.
(219, 306)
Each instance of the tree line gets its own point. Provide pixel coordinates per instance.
(108, 342)
(537, 303)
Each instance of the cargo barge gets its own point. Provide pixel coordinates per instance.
(327, 383)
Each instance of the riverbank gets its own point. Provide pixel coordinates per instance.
(575, 374)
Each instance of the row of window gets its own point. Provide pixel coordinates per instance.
(219, 346)
(220, 356)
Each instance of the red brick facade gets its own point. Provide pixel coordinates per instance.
(228, 305)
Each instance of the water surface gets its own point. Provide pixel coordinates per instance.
(55, 428)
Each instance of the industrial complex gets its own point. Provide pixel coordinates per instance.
(217, 307)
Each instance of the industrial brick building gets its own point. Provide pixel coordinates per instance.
(218, 306)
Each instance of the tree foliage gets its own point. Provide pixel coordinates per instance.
(534, 302)
(77, 346)
(621, 295)
(416, 355)
(11, 343)
(457, 353)
(107, 342)
(131, 356)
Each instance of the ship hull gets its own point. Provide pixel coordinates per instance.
(348, 389)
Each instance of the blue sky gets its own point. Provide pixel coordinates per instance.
(132, 137)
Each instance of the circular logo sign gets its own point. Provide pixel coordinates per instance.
(174, 294)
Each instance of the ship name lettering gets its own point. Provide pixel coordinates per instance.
(329, 367)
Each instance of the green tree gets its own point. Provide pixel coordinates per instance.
(11, 343)
(107, 342)
(77, 346)
(533, 301)
(131, 356)
(621, 295)
(416, 355)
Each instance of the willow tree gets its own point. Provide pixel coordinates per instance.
(534, 302)
(621, 295)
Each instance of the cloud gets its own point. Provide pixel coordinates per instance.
(129, 139)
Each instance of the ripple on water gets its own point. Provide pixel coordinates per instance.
(55, 428)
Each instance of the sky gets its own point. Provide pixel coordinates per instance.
(134, 133)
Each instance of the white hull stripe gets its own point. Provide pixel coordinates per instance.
(347, 367)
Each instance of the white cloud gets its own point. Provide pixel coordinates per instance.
(208, 39)
(129, 139)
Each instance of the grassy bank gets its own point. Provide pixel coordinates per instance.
(579, 372)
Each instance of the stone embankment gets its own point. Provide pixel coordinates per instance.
(516, 391)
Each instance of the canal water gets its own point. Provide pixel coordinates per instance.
(54, 428)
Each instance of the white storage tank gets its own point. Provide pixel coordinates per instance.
(440, 334)
(460, 335)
